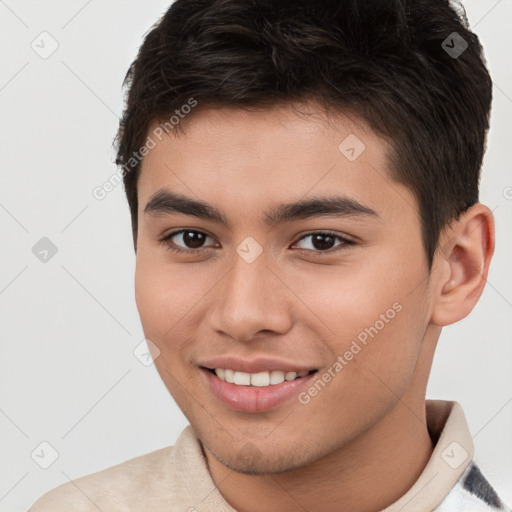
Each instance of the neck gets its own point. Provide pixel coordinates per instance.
(370, 473)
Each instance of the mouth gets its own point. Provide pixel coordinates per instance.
(255, 392)
(259, 379)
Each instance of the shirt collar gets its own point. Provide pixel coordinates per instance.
(452, 453)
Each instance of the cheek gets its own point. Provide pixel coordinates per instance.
(347, 299)
(165, 296)
(376, 332)
(369, 314)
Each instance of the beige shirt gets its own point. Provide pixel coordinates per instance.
(176, 478)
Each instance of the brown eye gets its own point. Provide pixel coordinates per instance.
(185, 240)
(321, 242)
(193, 239)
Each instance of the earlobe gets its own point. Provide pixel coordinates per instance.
(463, 265)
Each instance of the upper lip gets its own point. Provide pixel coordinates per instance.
(256, 365)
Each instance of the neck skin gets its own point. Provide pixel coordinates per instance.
(366, 475)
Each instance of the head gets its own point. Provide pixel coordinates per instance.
(252, 125)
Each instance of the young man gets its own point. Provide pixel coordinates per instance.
(303, 184)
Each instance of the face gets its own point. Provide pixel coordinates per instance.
(332, 287)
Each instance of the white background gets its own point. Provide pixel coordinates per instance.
(69, 326)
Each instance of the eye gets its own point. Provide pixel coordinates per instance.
(192, 242)
(324, 241)
(191, 239)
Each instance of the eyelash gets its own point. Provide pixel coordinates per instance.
(168, 245)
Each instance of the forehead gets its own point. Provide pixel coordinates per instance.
(283, 131)
(240, 159)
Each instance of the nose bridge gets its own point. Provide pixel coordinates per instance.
(248, 278)
(249, 299)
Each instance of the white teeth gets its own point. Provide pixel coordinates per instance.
(260, 379)
(242, 379)
(276, 377)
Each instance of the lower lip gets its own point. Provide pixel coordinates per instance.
(254, 398)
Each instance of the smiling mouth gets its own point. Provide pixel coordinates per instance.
(257, 392)
(260, 379)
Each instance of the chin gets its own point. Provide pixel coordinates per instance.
(262, 467)
(250, 460)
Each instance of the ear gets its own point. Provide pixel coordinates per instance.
(461, 264)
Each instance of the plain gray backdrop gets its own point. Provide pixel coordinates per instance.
(69, 375)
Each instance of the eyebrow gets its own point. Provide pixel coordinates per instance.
(165, 202)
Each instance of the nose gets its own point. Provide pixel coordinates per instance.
(251, 300)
